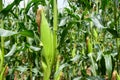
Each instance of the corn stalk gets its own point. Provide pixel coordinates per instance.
(56, 56)
(2, 49)
(55, 25)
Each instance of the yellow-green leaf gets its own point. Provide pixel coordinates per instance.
(46, 39)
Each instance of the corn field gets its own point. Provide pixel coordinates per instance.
(43, 42)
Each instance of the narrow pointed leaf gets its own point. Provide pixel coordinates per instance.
(12, 51)
(108, 64)
(6, 10)
(47, 40)
(48, 50)
(94, 65)
(28, 33)
(61, 68)
(97, 23)
(35, 48)
(6, 33)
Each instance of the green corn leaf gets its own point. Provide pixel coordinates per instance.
(73, 52)
(44, 65)
(95, 33)
(6, 10)
(28, 33)
(108, 64)
(12, 51)
(29, 5)
(89, 45)
(1, 59)
(47, 71)
(57, 77)
(46, 39)
(97, 22)
(6, 33)
(61, 68)
(94, 65)
(2, 73)
(34, 48)
(22, 68)
(75, 58)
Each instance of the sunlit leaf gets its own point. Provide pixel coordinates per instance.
(22, 68)
(61, 68)
(35, 48)
(46, 36)
(12, 51)
(6, 33)
(94, 65)
(74, 59)
(36, 71)
(28, 7)
(47, 40)
(7, 43)
(63, 21)
(97, 22)
(99, 55)
(0, 57)
(108, 64)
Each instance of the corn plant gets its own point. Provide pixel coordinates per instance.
(49, 43)
(48, 50)
(79, 42)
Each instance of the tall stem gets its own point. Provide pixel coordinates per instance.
(2, 54)
(55, 14)
(2, 47)
(116, 28)
(55, 25)
(55, 21)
